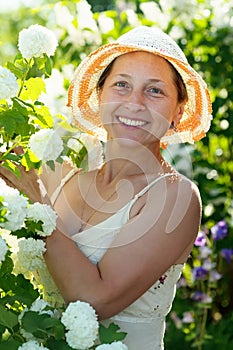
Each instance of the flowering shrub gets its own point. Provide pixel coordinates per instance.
(25, 121)
(200, 283)
(27, 320)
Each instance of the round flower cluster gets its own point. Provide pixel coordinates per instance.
(32, 345)
(8, 84)
(16, 206)
(46, 144)
(37, 40)
(3, 249)
(30, 254)
(42, 212)
(117, 345)
(18, 209)
(80, 320)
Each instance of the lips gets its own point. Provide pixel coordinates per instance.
(131, 122)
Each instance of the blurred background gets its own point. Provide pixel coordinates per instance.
(202, 315)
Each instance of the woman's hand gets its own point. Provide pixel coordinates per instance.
(27, 183)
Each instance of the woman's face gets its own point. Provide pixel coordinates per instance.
(138, 100)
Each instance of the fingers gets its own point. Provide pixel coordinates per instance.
(18, 150)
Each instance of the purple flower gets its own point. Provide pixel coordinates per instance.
(201, 297)
(215, 276)
(201, 239)
(176, 319)
(219, 231)
(187, 317)
(199, 273)
(227, 253)
(205, 252)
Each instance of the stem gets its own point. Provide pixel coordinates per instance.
(24, 76)
(203, 327)
(204, 318)
(3, 156)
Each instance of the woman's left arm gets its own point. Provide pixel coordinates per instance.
(146, 247)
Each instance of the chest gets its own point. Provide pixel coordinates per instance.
(85, 202)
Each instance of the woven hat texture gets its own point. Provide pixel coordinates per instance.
(83, 98)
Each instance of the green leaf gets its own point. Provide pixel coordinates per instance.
(30, 161)
(12, 167)
(20, 288)
(32, 89)
(54, 344)
(6, 266)
(43, 325)
(66, 125)
(48, 66)
(17, 104)
(10, 121)
(43, 117)
(10, 344)
(19, 73)
(7, 318)
(51, 164)
(20, 233)
(15, 120)
(110, 334)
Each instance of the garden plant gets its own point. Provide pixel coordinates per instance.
(38, 56)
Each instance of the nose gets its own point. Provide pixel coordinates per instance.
(134, 101)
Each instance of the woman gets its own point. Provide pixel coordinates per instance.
(126, 229)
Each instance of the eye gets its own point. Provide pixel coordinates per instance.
(155, 91)
(121, 84)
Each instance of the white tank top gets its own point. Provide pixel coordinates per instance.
(143, 320)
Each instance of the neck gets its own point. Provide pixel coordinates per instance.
(122, 161)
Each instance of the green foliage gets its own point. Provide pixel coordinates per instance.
(111, 333)
(208, 44)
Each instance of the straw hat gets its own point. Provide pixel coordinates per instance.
(83, 98)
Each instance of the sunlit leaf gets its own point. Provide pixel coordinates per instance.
(32, 89)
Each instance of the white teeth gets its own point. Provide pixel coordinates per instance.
(131, 122)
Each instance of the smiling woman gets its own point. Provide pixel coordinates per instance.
(141, 97)
(126, 229)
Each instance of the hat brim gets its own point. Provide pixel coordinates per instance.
(84, 104)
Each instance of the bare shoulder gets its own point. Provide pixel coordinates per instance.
(180, 205)
(52, 178)
(173, 205)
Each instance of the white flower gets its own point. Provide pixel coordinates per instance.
(30, 254)
(3, 249)
(85, 16)
(8, 84)
(43, 212)
(80, 320)
(15, 204)
(37, 40)
(40, 305)
(93, 146)
(32, 345)
(118, 345)
(46, 144)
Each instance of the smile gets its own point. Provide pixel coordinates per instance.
(131, 122)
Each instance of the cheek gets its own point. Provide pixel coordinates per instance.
(107, 113)
(160, 126)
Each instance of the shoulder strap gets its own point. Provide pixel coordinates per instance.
(145, 189)
(65, 179)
